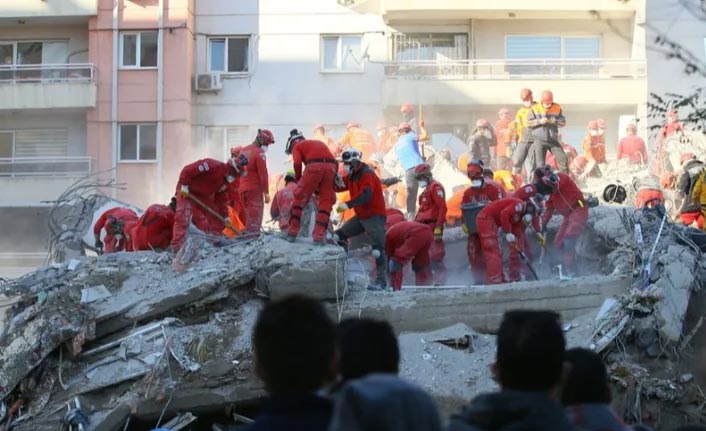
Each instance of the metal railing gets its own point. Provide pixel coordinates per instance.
(45, 167)
(46, 73)
(516, 69)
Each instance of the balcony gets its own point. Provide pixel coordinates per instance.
(47, 86)
(31, 181)
(47, 8)
(496, 82)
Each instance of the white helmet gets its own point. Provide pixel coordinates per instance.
(351, 155)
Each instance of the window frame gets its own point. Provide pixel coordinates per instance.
(562, 37)
(339, 57)
(227, 73)
(13, 132)
(15, 50)
(138, 50)
(138, 146)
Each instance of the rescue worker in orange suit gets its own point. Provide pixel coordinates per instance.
(254, 188)
(690, 211)
(206, 180)
(432, 212)
(281, 208)
(510, 215)
(632, 147)
(545, 118)
(561, 194)
(319, 176)
(118, 224)
(481, 191)
(520, 132)
(369, 205)
(503, 149)
(153, 230)
(481, 144)
(405, 241)
(235, 200)
(392, 217)
(593, 145)
(358, 139)
(320, 134)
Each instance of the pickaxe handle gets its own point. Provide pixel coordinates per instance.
(200, 203)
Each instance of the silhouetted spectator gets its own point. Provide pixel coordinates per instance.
(586, 393)
(294, 341)
(690, 428)
(367, 346)
(529, 364)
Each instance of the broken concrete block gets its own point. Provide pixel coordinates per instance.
(675, 284)
(95, 293)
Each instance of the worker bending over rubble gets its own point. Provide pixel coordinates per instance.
(153, 230)
(409, 241)
(369, 205)
(118, 223)
(254, 188)
(319, 176)
(281, 208)
(202, 196)
(432, 212)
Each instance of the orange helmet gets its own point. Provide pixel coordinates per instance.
(547, 97)
(406, 108)
(504, 112)
(592, 125)
(525, 94)
(404, 126)
(685, 157)
(352, 124)
(482, 123)
(265, 137)
(320, 127)
(474, 170)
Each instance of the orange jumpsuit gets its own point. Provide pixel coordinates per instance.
(594, 148)
(359, 139)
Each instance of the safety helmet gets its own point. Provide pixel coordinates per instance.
(592, 125)
(294, 137)
(265, 137)
(289, 177)
(423, 170)
(406, 108)
(685, 157)
(601, 123)
(351, 155)
(319, 127)
(474, 170)
(235, 151)
(482, 123)
(614, 193)
(547, 97)
(632, 127)
(404, 126)
(238, 162)
(352, 124)
(525, 94)
(503, 112)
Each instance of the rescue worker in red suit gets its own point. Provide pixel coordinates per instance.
(528, 194)
(206, 180)
(153, 230)
(632, 147)
(235, 201)
(392, 217)
(319, 176)
(561, 194)
(481, 191)
(510, 215)
(405, 241)
(432, 212)
(690, 210)
(281, 208)
(118, 223)
(254, 188)
(369, 205)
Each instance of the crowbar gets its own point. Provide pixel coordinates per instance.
(525, 259)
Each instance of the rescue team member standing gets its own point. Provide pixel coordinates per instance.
(545, 118)
(481, 144)
(521, 133)
(319, 176)
(503, 149)
(405, 241)
(632, 147)
(358, 139)
(254, 188)
(207, 180)
(281, 208)
(432, 212)
(117, 223)
(407, 150)
(369, 205)
(153, 230)
(480, 192)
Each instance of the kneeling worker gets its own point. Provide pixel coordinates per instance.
(405, 241)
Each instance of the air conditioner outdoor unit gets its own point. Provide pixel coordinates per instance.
(209, 82)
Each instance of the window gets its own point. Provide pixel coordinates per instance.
(221, 139)
(7, 145)
(552, 47)
(229, 54)
(139, 50)
(341, 54)
(429, 46)
(138, 142)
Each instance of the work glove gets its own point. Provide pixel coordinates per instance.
(510, 238)
(541, 240)
(184, 191)
(267, 198)
(464, 228)
(228, 224)
(342, 208)
(543, 121)
(99, 245)
(551, 120)
(394, 266)
(338, 182)
(438, 234)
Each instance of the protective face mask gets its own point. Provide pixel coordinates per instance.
(264, 148)
(601, 132)
(593, 132)
(230, 179)
(423, 184)
(118, 237)
(527, 103)
(476, 184)
(547, 106)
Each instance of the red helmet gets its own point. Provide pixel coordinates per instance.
(265, 137)
(631, 126)
(422, 170)
(685, 157)
(352, 124)
(547, 97)
(592, 125)
(235, 151)
(474, 170)
(525, 192)
(319, 127)
(503, 112)
(404, 126)
(525, 94)
(482, 123)
(601, 123)
(551, 180)
(406, 108)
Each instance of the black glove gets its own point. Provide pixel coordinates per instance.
(544, 228)
(99, 245)
(173, 204)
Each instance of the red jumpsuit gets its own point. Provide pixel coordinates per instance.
(432, 212)
(507, 214)
(491, 191)
(632, 148)
(281, 208)
(207, 182)
(153, 230)
(254, 186)
(110, 243)
(409, 240)
(392, 217)
(321, 169)
(568, 201)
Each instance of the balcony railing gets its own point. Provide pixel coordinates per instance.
(46, 73)
(45, 167)
(516, 69)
